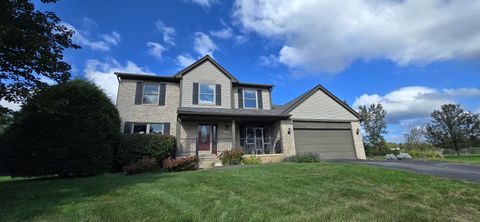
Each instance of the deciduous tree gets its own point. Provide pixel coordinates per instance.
(31, 49)
(374, 125)
(454, 128)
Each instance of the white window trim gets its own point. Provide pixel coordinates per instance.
(158, 93)
(148, 128)
(214, 94)
(256, 99)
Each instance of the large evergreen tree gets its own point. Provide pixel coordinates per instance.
(70, 129)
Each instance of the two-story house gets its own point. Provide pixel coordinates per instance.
(208, 110)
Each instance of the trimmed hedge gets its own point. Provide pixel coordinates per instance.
(70, 129)
(303, 158)
(134, 147)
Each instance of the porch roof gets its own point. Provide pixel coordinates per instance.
(219, 112)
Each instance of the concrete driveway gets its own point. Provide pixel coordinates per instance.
(460, 171)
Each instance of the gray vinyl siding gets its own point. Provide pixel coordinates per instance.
(152, 113)
(265, 97)
(206, 73)
(321, 106)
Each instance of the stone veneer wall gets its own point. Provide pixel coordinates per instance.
(357, 141)
(288, 140)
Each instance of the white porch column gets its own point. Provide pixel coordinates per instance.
(234, 128)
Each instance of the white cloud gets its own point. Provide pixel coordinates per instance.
(270, 60)
(82, 37)
(101, 73)
(415, 102)
(204, 3)
(326, 35)
(10, 105)
(155, 49)
(203, 45)
(167, 32)
(224, 33)
(184, 60)
(112, 39)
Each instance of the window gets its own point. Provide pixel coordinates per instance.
(148, 128)
(156, 128)
(150, 93)
(249, 98)
(140, 128)
(207, 93)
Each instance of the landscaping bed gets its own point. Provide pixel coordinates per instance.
(272, 192)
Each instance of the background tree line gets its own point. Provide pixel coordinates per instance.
(451, 127)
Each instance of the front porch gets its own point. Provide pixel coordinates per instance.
(211, 138)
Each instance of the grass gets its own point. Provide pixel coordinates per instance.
(470, 158)
(272, 192)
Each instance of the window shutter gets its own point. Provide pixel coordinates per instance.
(259, 99)
(166, 128)
(240, 98)
(139, 93)
(218, 92)
(161, 95)
(195, 93)
(127, 128)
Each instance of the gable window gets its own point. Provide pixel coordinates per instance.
(150, 93)
(206, 93)
(249, 98)
(148, 128)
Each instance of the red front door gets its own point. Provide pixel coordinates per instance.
(204, 135)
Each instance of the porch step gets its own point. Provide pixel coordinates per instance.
(207, 161)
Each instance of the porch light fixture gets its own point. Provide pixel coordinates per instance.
(289, 131)
(357, 131)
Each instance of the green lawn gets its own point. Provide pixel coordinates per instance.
(470, 158)
(274, 192)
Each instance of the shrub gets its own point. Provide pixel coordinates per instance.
(134, 147)
(70, 129)
(403, 156)
(252, 160)
(140, 166)
(429, 154)
(232, 157)
(303, 158)
(390, 157)
(182, 164)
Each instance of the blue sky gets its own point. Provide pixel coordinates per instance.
(412, 56)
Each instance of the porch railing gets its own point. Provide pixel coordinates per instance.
(261, 145)
(188, 146)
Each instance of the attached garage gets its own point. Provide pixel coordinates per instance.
(329, 140)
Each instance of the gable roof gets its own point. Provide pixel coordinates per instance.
(300, 99)
(201, 61)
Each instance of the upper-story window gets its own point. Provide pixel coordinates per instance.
(249, 98)
(150, 93)
(206, 93)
